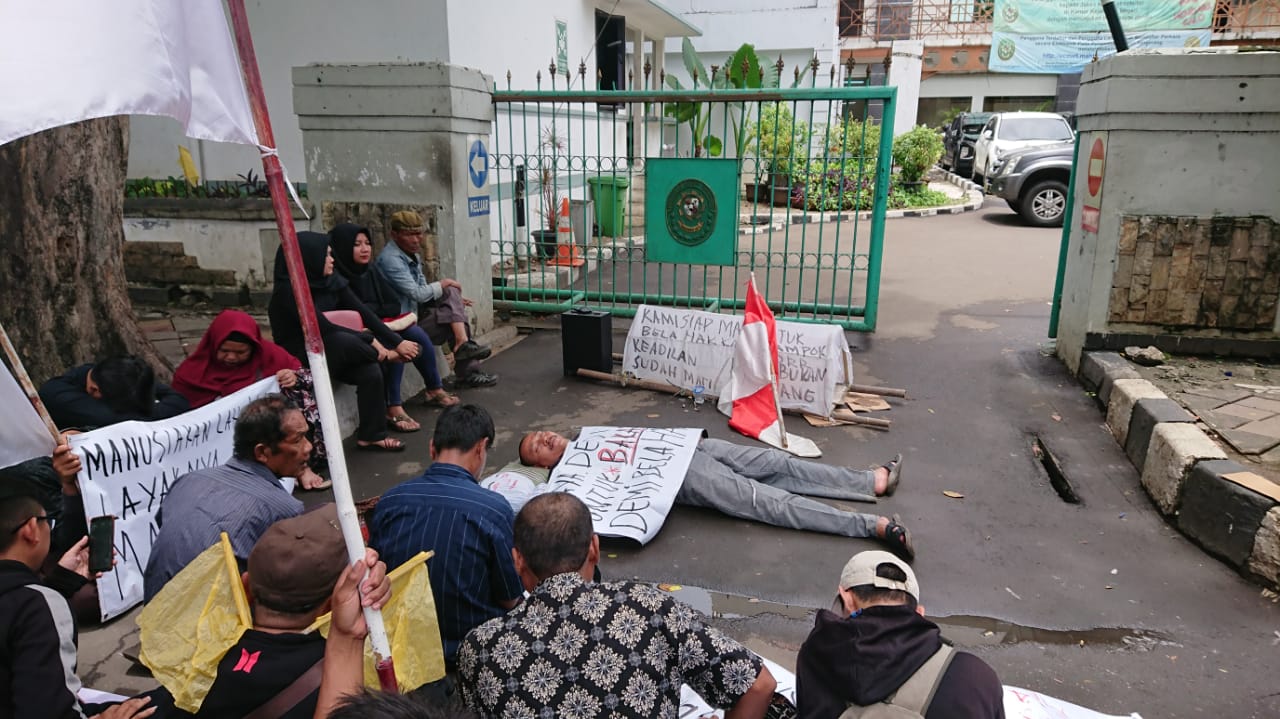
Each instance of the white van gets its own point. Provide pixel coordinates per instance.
(1008, 132)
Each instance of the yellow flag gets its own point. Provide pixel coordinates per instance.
(188, 166)
(412, 627)
(193, 621)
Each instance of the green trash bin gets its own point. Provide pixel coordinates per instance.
(610, 195)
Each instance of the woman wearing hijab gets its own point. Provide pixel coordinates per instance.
(233, 355)
(352, 356)
(352, 254)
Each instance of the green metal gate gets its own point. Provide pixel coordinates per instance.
(674, 220)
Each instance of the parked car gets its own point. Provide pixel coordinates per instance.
(1034, 182)
(957, 141)
(1008, 132)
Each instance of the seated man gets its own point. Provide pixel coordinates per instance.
(114, 390)
(242, 497)
(619, 649)
(297, 571)
(763, 484)
(439, 305)
(875, 642)
(473, 578)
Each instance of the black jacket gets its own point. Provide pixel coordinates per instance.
(327, 293)
(864, 659)
(367, 284)
(38, 647)
(71, 406)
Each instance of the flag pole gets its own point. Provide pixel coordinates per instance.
(347, 517)
(24, 379)
(773, 377)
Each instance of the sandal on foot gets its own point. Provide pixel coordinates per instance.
(386, 444)
(442, 400)
(403, 423)
(898, 538)
(895, 471)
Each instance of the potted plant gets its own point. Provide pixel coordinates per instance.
(780, 145)
(914, 153)
(551, 146)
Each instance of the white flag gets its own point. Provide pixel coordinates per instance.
(64, 61)
(23, 432)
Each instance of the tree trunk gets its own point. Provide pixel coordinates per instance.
(63, 298)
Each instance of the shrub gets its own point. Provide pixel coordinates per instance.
(916, 151)
(777, 139)
(854, 138)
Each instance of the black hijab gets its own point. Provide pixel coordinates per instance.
(314, 247)
(342, 238)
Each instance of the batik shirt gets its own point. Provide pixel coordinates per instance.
(577, 649)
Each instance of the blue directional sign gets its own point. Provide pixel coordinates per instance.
(478, 163)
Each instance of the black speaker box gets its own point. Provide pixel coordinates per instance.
(586, 337)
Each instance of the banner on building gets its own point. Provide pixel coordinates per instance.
(692, 348)
(1065, 35)
(627, 476)
(128, 468)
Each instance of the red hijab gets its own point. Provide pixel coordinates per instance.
(201, 378)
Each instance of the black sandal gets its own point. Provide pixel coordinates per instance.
(895, 471)
(898, 538)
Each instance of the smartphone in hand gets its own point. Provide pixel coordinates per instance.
(102, 535)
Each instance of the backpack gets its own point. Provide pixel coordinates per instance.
(912, 699)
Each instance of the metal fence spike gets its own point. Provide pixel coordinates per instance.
(814, 63)
(715, 69)
(582, 69)
(551, 67)
(780, 65)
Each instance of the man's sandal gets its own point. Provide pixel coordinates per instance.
(386, 444)
(895, 471)
(403, 423)
(898, 538)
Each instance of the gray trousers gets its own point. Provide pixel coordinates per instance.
(765, 484)
(436, 318)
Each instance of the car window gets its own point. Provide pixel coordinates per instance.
(972, 129)
(1035, 128)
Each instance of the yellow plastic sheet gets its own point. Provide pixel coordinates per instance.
(192, 622)
(412, 628)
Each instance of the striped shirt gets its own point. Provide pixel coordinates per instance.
(469, 529)
(241, 498)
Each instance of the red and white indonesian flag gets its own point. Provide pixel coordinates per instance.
(64, 61)
(22, 431)
(751, 396)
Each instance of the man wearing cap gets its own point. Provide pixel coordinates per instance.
(293, 578)
(242, 497)
(473, 578)
(875, 646)
(439, 305)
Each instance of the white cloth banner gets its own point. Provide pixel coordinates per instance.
(69, 60)
(24, 432)
(692, 706)
(627, 476)
(687, 348)
(127, 469)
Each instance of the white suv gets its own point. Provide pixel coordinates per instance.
(1009, 132)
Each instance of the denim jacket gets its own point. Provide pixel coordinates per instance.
(403, 273)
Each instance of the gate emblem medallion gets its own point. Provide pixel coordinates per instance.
(691, 212)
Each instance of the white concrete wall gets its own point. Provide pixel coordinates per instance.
(288, 33)
(236, 245)
(1187, 134)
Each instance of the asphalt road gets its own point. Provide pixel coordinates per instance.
(1100, 603)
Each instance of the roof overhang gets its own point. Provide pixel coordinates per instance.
(651, 18)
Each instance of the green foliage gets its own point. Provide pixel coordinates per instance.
(831, 184)
(900, 197)
(916, 151)
(855, 139)
(777, 138)
(248, 186)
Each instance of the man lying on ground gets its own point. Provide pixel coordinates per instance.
(117, 389)
(581, 648)
(242, 497)
(764, 485)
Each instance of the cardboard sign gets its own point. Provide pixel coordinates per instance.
(690, 348)
(127, 469)
(627, 476)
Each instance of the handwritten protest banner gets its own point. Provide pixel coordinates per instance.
(688, 348)
(127, 469)
(627, 476)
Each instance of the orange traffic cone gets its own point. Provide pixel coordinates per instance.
(567, 253)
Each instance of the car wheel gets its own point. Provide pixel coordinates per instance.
(1044, 204)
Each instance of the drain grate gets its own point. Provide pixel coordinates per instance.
(1057, 478)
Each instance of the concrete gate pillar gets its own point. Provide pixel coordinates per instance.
(383, 137)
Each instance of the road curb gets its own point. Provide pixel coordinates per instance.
(1182, 469)
(973, 201)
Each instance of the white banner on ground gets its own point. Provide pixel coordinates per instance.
(688, 348)
(127, 469)
(628, 476)
(24, 432)
(692, 705)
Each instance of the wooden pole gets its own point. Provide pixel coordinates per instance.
(347, 517)
(882, 391)
(24, 379)
(842, 415)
